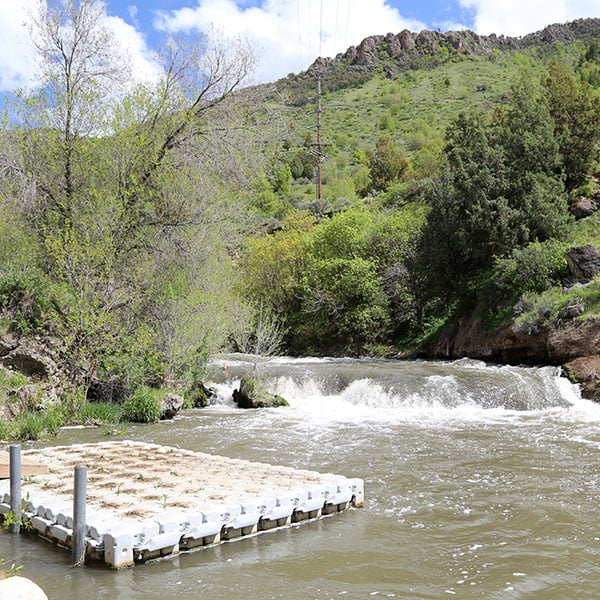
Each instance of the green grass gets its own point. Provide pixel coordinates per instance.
(414, 109)
(94, 413)
(143, 406)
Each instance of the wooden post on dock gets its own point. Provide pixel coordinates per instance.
(79, 500)
(15, 487)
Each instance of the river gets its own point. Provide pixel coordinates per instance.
(481, 481)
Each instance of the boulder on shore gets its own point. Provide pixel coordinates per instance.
(585, 370)
(251, 395)
(584, 261)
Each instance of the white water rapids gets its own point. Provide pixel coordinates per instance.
(481, 481)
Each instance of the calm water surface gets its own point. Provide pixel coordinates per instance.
(480, 482)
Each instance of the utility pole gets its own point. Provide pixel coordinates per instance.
(319, 145)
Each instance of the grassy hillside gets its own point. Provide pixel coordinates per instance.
(414, 108)
(196, 228)
(412, 105)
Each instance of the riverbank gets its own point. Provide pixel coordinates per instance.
(571, 343)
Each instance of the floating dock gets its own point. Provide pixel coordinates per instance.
(146, 501)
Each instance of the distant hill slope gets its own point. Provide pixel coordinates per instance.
(409, 86)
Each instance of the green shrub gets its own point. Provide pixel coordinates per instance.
(36, 425)
(5, 431)
(28, 426)
(12, 380)
(28, 296)
(532, 269)
(100, 412)
(142, 407)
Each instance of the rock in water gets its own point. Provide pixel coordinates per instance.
(251, 395)
(170, 405)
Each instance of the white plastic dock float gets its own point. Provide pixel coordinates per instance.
(146, 501)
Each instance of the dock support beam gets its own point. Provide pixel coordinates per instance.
(79, 500)
(15, 487)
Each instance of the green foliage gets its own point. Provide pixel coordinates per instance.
(538, 309)
(94, 413)
(344, 236)
(501, 190)
(271, 266)
(576, 114)
(31, 426)
(9, 570)
(5, 431)
(27, 296)
(387, 165)
(532, 269)
(588, 68)
(133, 363)
(281, 179)
(264, 199)
(12, 379)
(337, 285)
(142, 407)
(344, 306)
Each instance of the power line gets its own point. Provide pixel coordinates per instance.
(321, 30)
(299, 35)
(347, 23)
(337, 14)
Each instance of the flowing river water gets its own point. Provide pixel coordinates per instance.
(481, 481)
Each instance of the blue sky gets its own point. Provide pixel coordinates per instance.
(289, 34)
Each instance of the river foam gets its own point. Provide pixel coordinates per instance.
(368, 391)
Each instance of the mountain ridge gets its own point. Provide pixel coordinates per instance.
(407, 49)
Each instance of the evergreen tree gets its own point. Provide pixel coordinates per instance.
(576, 114)
(386, 163)
(501, 189)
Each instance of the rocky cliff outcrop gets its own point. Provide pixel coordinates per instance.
(407, 49)
(552, 343)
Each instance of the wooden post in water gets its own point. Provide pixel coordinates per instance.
(15, 487)
(79, 500)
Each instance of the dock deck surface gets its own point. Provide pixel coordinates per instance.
(146, 501)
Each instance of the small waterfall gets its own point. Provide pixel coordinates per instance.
(355, 388)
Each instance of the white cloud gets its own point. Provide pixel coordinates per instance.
(520, 17)
(292, 33)
(17, 55)
(143, 61)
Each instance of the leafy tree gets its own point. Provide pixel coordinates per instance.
(387, 165)
(264, 199)
(271, 266)
(346, 235)
(344, 306)
(120, 189)
(588, 68)
(281, 179)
